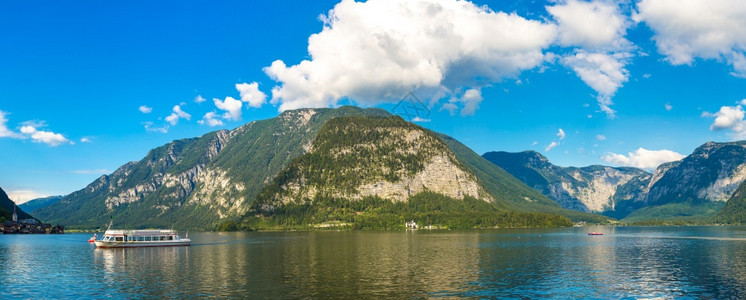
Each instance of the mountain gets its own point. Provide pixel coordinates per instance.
(610, 191)
(711, 173)
(33, 204)
(734, 211)
(196, 182)
(387, 157)
(696, 187)
(6, 208)
(692, 189)
(376, 172)
(512, 191)
(213, 180)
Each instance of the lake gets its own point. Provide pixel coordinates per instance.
(634, 262)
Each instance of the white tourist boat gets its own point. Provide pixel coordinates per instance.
(141, 238)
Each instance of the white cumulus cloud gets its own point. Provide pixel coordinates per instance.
(251, 94)
(377, 51)
(642, 158)
(601, 137)
(46, 137)
(707, 29)
(177, 114)
(594, 24)
(598, 28)
(231, 106)
(604, 73)
(145, 109)
(729, 118)
(4, 131)
(150, 128)
(199, 99)
(23, 196)
(560, 136)
(550, 146)
(421, 120)
(470, 101)
(211, 119)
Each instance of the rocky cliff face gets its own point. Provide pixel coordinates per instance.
(734, 211)
(692, 187)
(603, 188)
(597, 189)
(386, 157)
(711, 173)
(162, 174)
(194, 183)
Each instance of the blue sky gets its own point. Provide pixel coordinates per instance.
(508, 76)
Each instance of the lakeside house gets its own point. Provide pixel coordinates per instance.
(28, 226)
(411, 225)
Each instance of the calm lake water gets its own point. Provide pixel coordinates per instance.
(637, 262)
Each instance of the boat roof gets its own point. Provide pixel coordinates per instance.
(140, 232)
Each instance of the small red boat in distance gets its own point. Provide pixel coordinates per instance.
(93, 238)
(595, 233)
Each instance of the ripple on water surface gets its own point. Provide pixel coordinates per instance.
(641, 262)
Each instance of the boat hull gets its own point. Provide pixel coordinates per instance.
(179, 243)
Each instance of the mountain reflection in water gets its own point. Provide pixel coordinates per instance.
(642, 262)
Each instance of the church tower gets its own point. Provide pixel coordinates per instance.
(15, 216)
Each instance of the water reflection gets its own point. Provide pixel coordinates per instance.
(625, 262)
(652, 262)
(379, 264)
(152, 271)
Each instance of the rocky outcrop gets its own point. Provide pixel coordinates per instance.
(353, 158)
(598, 189)
(711, 173)
(181, 184)
(440, 175)
(199, 181)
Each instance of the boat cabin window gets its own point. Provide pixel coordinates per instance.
(119, 239)
(170, 238)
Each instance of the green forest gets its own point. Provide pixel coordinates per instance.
(427, 209)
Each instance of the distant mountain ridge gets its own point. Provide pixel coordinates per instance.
(613, 191)
(694, 188)
(34, 204)
(711, 173)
